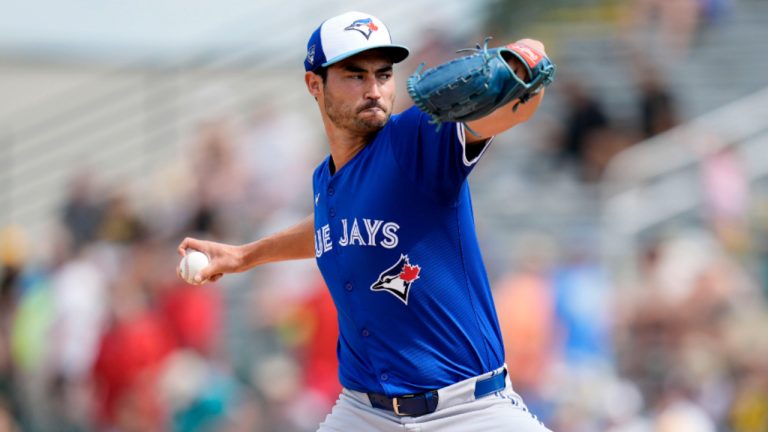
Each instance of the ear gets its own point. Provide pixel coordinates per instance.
(314, 83)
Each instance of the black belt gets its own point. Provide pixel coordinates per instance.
(415, 405)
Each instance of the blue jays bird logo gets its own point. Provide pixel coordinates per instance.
(365, 26)
(397, 279)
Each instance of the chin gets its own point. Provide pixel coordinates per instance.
(373, 125)
(379, 118)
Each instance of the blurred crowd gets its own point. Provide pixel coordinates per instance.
(97, 333)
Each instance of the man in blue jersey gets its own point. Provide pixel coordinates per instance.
(393, 235)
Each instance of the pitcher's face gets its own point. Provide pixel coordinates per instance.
(359, 92)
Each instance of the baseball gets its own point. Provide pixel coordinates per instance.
(191, 264)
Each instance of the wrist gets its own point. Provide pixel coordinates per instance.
(253, 254)
(244, 256)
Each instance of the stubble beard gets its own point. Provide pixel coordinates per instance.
(349, 117)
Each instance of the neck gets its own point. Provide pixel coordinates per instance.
(345, 144)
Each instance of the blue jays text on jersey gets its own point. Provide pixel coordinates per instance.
(374, 233)
(396, 244)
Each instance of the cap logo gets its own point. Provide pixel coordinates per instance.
(311, 54)
(365, 26)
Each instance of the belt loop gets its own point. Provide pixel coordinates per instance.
(491, 384)
(430, 401)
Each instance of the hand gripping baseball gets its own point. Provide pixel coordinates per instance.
(223, 258)
(473, 86)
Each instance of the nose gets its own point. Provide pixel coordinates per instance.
(372, 90)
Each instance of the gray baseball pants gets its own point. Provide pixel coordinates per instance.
(457, 411)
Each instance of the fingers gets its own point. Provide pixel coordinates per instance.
(218, 255)
(209, 273)
(191, 243)
(202, 278)
(519, 69)
(183, 246)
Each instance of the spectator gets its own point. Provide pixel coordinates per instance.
(584, 117)
(658, 107)
(525, 307)
(584, 299)
(676, 21)
(120, 224)
(221, 180)
(126, 370)
(81, 213)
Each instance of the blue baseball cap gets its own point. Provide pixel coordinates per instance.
(348, 34)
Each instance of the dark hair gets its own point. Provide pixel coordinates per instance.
(322, 73)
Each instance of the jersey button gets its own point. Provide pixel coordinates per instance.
(365, 333)
(384, 377)
(331, 190)
(348, 286)
(332, 212)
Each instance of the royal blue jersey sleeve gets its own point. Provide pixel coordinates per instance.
(437, 161)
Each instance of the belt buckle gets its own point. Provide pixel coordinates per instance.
(396, 407)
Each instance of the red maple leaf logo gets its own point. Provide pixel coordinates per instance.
(410, 273)
(372, 26)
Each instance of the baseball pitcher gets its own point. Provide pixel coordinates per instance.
(393, 233)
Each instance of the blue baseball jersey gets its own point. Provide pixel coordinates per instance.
(396, 244)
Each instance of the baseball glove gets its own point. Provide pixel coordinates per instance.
(473, 86)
